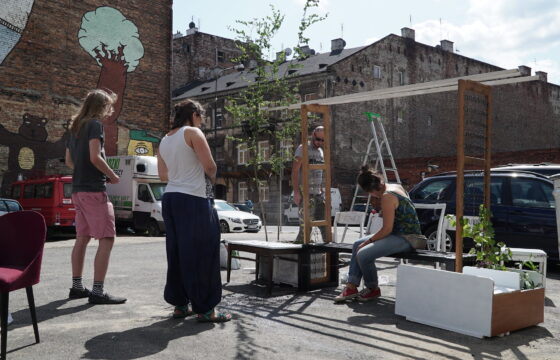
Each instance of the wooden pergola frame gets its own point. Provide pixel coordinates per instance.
(325, 111)
(462, 159)
(480, 83)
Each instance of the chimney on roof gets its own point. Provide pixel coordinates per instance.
(337, 44)
(284, 53)
(407, 33)
(447, 45)
(177, 35)
(306, 50)
(192, 28)
(542, 76)
(524, 70)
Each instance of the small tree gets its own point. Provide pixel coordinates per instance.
(267, 88)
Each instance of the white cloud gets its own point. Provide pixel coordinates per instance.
(504, 33)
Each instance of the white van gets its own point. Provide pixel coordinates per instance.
(137, 196)
(291, 213)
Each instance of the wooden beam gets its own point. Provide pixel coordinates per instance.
(469, 160)
(431, 87)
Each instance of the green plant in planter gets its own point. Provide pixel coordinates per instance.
(527, 282)
(489, 254)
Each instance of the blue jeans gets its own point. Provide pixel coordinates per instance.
(362, 263)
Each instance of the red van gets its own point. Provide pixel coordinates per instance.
(49, 195)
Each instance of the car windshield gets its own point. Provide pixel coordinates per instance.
(432, 190)
(242, 207)
(158, 189)
(67, 188)
(223, 206)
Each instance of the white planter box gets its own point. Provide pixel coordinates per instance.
(486, 304)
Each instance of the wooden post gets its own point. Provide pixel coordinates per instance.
(462, 159)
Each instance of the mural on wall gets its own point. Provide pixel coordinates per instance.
(141, 143)
(29, 149)
(113, 41)
(13, 19)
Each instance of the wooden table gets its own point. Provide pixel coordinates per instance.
(260, 248)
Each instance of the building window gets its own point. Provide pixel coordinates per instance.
(242, 191)
(376, 72)
(264, 150)
(221, 56)
(311, 96)
(242, 154)
(429, 120)
(400, 116)
(286, 149)
(219, 153)
(263, 191)
(401, 77)
(218, 118)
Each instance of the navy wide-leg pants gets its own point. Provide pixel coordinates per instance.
(193, 252)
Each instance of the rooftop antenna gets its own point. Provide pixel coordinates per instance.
(410, 19)
(320, 47)
(440, 28)
(342, 31)
(198, 23)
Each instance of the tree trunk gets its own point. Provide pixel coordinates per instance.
(261, 204)
(112, 78)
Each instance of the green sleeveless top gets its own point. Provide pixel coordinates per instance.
(406, 220)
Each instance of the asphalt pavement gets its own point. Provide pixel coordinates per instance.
(287, 324)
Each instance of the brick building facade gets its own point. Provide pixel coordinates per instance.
(52, 52)
(198, 57)
(421, 129)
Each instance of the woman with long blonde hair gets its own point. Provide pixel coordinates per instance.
(95, 216)
(97, 105)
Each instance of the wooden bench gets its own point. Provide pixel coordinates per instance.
(447, 258)
(271, 250)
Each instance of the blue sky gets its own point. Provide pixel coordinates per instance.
(506, 33)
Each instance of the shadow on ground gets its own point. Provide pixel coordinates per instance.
(143, 341)
(46, 312)
(373, 324)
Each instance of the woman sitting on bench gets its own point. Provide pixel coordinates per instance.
(400, 224)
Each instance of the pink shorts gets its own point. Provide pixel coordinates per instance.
(95, 216)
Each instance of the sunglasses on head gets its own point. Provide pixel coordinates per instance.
(319, 139)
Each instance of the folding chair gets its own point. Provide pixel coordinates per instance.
(348, 218)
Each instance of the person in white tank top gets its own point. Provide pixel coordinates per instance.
(192, 225)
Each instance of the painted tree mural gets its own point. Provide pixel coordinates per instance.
(13, 19)
(113, 41)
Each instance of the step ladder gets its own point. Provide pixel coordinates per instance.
(382, 153)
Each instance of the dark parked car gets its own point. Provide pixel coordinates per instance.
(522, 206)
(9, 205)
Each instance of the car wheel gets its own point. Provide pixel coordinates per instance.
(153, 228)
(431, 234)
(224, 227)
